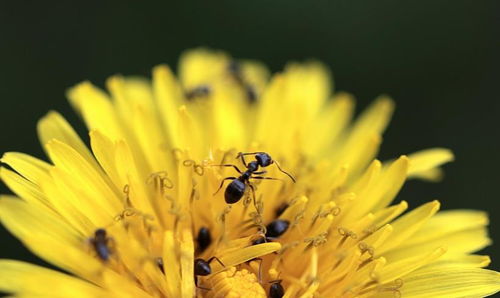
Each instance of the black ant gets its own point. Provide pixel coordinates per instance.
(273, 230)
(236, 189)
(276, 290)
(281, 208)
(277, 228)
(159, 263)
(202, 268)
(198, 91)
(100, 243)
(234, 69)
(260, 240)
(204, 239)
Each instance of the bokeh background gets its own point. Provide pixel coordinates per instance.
(438, 59)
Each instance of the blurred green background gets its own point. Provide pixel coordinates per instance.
(438, 60)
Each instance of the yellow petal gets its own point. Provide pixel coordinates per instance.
(54, 126)
(170, 259)
(400, 268)
(392, 180)
(24, 188)
(448, 222)
(88, 178)
(457, 243)
(460, 261)
(101, 147)
(424, 163)
(332, 121)
(48, 236)
(386, 215)
(376, 117)
(242, 255)
(187, 261)
(201, 67)
(26, 279)
(167, 94)
(407, 225)
(31, 168)
(96, 109)
(382, 190)
(469, 282)
(120, 286)
(431, 175)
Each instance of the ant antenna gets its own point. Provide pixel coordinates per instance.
(260, 268)
(281, 170)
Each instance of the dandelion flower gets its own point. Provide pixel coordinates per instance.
(143, 213)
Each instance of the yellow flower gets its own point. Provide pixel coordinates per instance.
(140, 214)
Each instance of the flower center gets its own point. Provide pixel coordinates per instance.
(236, 283)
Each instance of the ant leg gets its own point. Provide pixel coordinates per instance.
(203, 288)
(278, 281)
(271, 238)
(251, 153)
(217, 259)
(265, 178)
(279, 168)
(240, 155)
(260, 268)
(227, 165)
(259, 173)
(222, 183)
(199, 287)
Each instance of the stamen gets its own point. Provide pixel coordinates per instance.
(366, 248)
(177, 154)
(127, 212)
(368, 231)
(194, 194)
(397, 284)
(256, 218)
(198, 169)
(298, 217)
(126, 191)
(317, 241)
(345, 233)
(324, 210)
(160, 181)
(295, 211)
(222, 219)
(227, 154)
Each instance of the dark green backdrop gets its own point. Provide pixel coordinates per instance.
(438, 59)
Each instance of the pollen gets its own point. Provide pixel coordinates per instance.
(236, 283)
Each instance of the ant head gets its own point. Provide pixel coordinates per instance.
(159, 263)
(260, 240)
(277, 228)
(234, 66)
(281, 208)
(204, 238)
(202, 267)
(100, 233)
(264, 159)
(276, 290)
